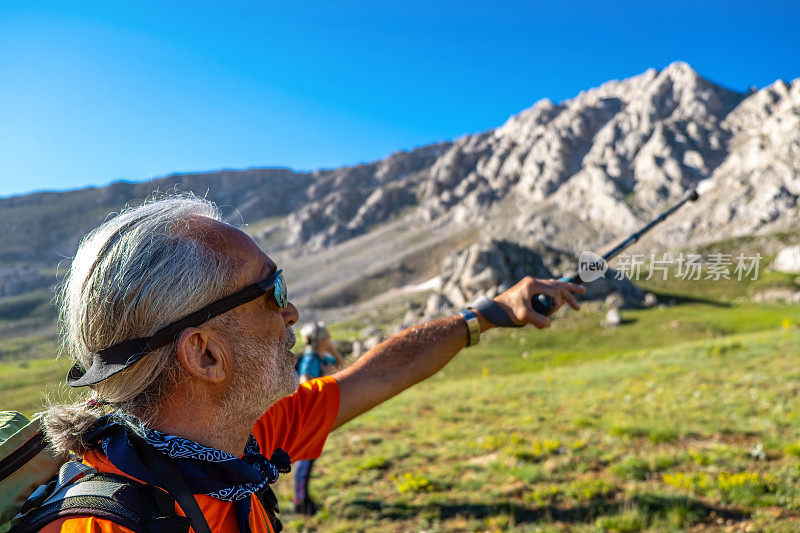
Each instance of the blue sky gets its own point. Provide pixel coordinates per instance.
(94, 92)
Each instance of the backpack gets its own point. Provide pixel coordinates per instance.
(38, 487)
(26, 462)
(80, 490)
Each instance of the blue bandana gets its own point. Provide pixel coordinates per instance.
(205, 470)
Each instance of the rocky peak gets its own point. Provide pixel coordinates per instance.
(346, 202)
(756, 187)
(626, 147)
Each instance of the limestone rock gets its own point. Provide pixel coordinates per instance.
(492, 266)
(778, 294)
(627, 294)
(373, 341)
(368, 331)
(788, 260)
(612, 318)
(357, 350)
(614, 300)
(650, 300)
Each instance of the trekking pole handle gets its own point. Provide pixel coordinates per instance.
(543, 304)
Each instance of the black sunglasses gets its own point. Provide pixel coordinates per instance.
(120, 356)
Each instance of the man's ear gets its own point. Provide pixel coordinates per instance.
(202, 355)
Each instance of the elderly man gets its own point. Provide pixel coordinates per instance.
(180, 326)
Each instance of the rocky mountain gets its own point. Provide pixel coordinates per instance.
(755, 188)
(596, 166)
(313, 210)
(572, 176)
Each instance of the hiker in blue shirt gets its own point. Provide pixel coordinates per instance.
(320, 358)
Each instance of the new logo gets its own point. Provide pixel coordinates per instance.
(591, 266)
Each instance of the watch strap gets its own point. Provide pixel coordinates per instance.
(491, 311)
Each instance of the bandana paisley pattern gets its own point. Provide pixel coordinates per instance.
(180, 448)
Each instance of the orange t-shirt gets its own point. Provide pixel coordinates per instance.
(299, 424)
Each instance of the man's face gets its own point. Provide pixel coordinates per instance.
(258, 334)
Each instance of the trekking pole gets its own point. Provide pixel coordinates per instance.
(543, 304)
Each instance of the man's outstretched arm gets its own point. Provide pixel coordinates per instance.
(419, 352)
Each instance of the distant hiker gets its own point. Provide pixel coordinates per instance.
(181, 328)
(320, 355)
(319, 359)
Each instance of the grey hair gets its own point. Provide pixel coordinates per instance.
(140, 270)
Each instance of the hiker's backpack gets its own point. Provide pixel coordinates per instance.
(38, 487)
(79, 490)
(26, 462)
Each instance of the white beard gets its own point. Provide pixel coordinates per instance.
(264, 373)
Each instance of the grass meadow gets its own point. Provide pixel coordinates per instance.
(685, 417)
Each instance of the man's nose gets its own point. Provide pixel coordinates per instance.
(290, 315)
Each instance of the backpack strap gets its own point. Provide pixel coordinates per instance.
(121, 500)
(269, 501)
(172, 480)
(166, 520)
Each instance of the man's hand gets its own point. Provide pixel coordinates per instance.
(516, 301)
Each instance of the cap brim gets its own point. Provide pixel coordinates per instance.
(101, 369)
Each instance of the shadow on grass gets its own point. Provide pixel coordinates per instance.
(652, 505)
(680, 299)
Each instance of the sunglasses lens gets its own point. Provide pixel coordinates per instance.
(280, 292)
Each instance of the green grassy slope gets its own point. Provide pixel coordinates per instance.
(701, 434)
(25, 385)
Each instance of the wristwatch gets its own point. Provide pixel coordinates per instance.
(473, 326)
